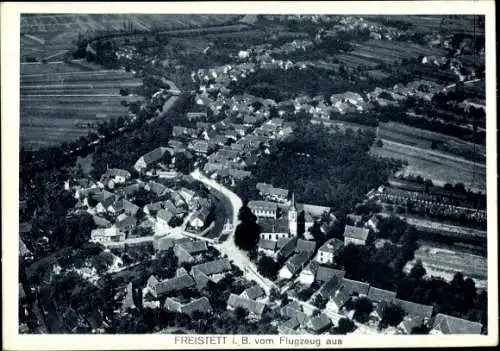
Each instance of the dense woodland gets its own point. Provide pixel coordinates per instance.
(326, 169)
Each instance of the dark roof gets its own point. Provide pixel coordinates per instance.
(415, 309)
(297, 261)
(254, 307)
(453, 325)
(182, 255)
(267, 205)
(324, 274)
(200, 305)
(328, 289)
(200, 279)
(377, 295)
(271, 225)
(164, 215)
(332, 245)
(194, 246)
(126, 222)
(154, 155)
(174, 284)
(213, 267)
(320, 322)
(305, 246)
(267, 244)
(355, 232)
(341, 297)
(287, 247)
(254, 292)
(292, 323)
(354, 286)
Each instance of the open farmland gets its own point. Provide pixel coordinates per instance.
(425, 139)
(374, 52)
(437, 166)
(69, 101)
(444, 263)
(49, 36)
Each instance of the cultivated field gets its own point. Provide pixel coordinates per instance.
(64, 101)
(374, 52)
(441, 168)
(424, 139)
(445, 263)
(49, 36)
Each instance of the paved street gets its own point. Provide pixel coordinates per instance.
(228, 247)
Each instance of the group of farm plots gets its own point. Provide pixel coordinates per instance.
(426, 139)
(441, 168)
(442, 24)
(374, 52)
(444, 263)
(63, 106)
(50, 36)
(113, 22)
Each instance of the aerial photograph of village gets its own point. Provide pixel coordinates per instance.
(252, 174)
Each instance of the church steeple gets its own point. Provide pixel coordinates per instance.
(292, 217)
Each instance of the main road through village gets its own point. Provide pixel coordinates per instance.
(239, 258)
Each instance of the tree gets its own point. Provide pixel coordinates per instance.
(345, 326)
(362, 309)
(319, 301)
(379, 143)
(240, 313)
(418, 271)
(268, 267)
(274, 294)
(392, 315)
(165, 264)
(247, 232)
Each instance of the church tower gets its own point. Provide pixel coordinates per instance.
(292, 217)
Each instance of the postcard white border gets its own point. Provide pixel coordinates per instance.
(10, 43)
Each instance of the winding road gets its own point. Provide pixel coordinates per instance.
(239, 258)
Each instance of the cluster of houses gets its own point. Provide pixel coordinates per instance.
(110, 201)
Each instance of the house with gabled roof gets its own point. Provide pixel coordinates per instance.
(118, 176)
(294, 264)
(263, 208)
(416, 314)
(182, 255)
(173, 284)
(126, 224)
(329, 288)
(151, 158)
(355, 287)
(377, 295)
(254, 308)
(201, 280)
(328, 251)
(305, 246)
(201, 305)
(157, 188)
(355, 235)
(123, 206)
(253, 293)
(319, 324)
(194, 247)
(267, 247)
(449, 325)
(286, 247)
(338, 300)
(212, 268)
